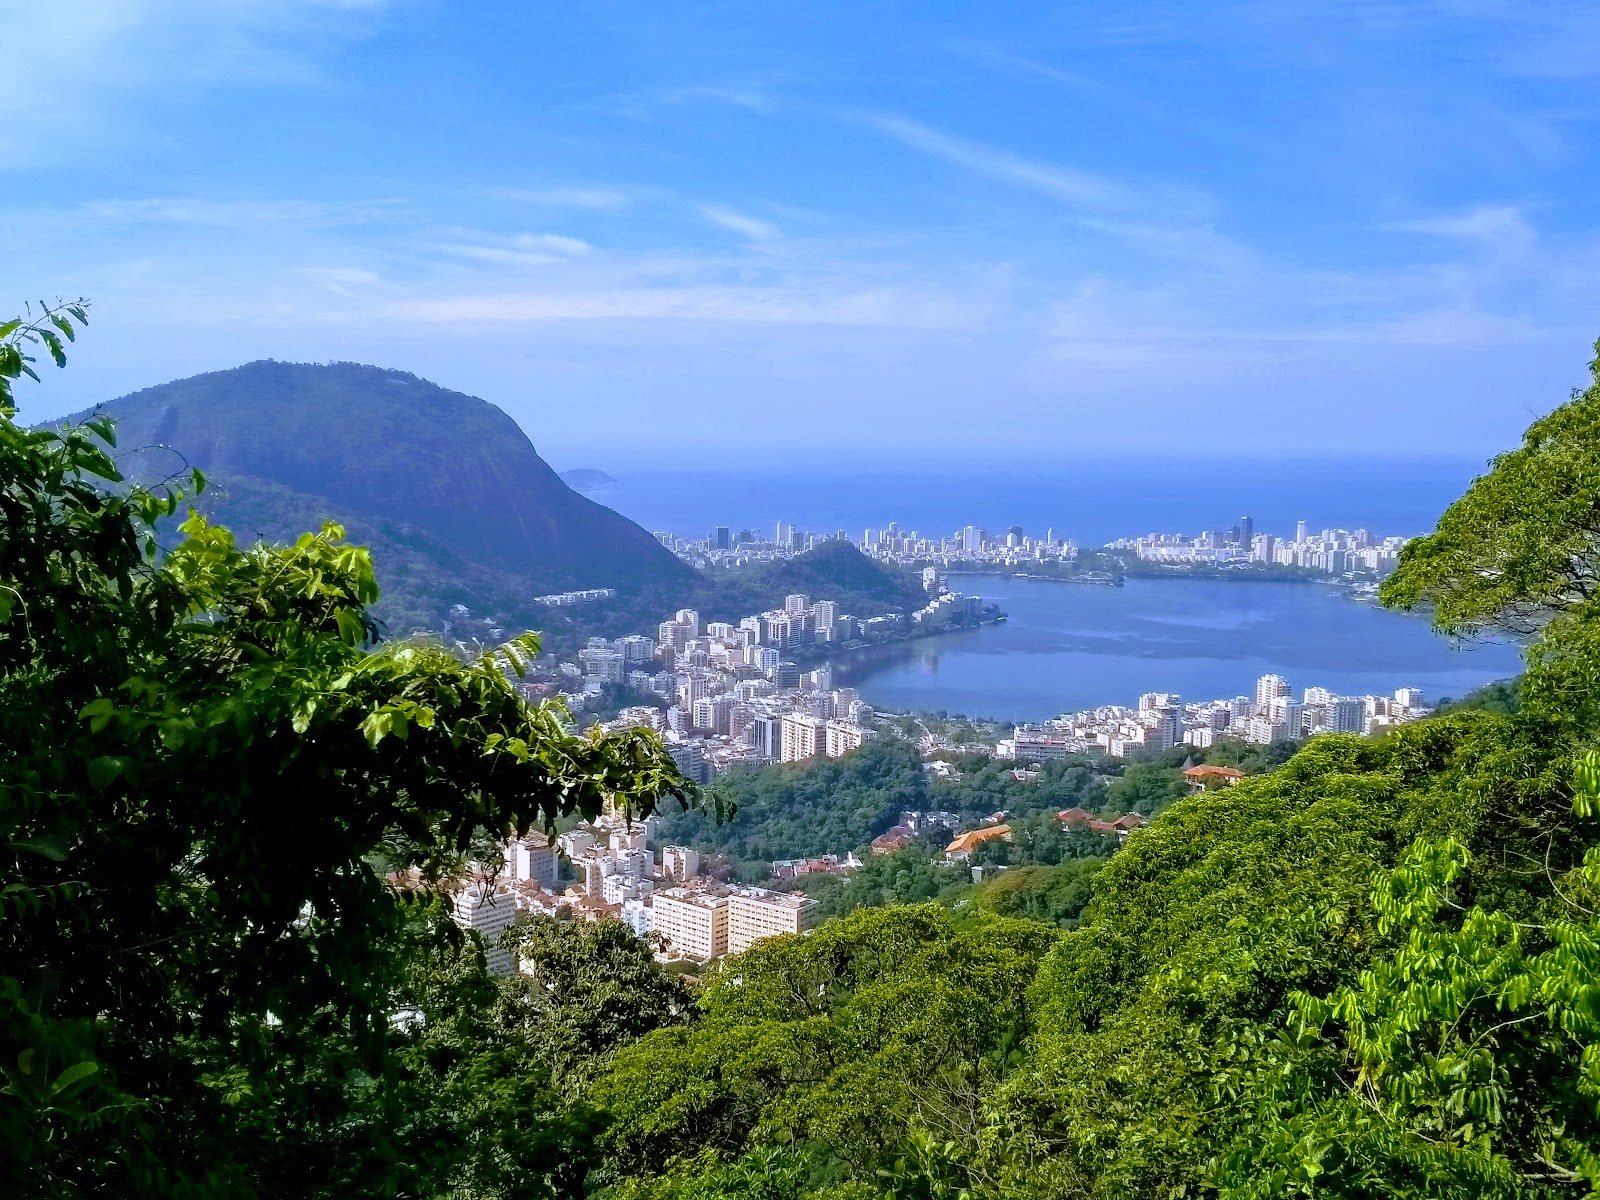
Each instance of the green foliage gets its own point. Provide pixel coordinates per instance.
(1504, 696)
(1055, 895)
(1145, 788)
(877, 1025)
(797, 810)
(1162, 1018)
(907, 877)
(1520, 547)
(588, 987)
(200, 755)
(1472, 1062)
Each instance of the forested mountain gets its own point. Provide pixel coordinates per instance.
(446, 490)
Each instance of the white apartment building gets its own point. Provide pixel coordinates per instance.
(843, 737)
(755, 913)
(1268, 689)
(637, 915)
(803, 737)
(532, 858)
(487, 910)
(680, 863)
(691, 924)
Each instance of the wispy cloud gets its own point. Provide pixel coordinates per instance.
(1501, 226)
(1083, 189)
(752, 228)
(878, 308)
(517, 249)
(342, 281)
(235, 214)
(597, 199)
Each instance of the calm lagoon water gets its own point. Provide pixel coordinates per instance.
(1070, 646)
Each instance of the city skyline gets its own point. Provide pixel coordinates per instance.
(1003, 231)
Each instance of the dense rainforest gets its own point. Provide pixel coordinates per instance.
(1371, 971)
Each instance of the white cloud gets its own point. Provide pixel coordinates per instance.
(881, 308)
(1500, 226)
(518, 249)
(598, 199)
(342, 281)
(234, 214)
(752, 228)
(1080, 188)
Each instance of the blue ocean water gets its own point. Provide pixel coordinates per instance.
(1068, 647)
(1091, 501)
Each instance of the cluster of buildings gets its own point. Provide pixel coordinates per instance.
(586, 596)
(725, 694)
(970, 546)
(1334, 551)
(1162, 721)
(660, 893)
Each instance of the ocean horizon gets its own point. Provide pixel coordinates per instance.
(1091, 501)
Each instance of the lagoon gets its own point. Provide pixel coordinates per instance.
(1068, 646)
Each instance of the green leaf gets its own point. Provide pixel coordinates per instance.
(49, 847)
(103, 771)
(71, 1076)
(56, 351)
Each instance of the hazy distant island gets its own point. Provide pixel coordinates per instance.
(587, 479)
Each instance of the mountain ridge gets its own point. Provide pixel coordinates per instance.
(446, 488)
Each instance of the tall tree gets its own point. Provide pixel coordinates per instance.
(1522, 545)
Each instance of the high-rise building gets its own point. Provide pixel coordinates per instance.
(803, 737)
(1408, 698)
(1270, 688)
(722, 538)
(1288, 718)
(796, 604)
(1347, 714)
(489, 911)
(532, 858)
(690, 760)
(1247, 532)
(1301, 529)
(691, 924)
(756, 913)
(1167, 732)
(680, 863)
(841, 737)
(636, 648)
(766, 737)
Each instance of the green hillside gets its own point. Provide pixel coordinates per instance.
(445, 488)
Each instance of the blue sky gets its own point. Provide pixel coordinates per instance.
(761, 232)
